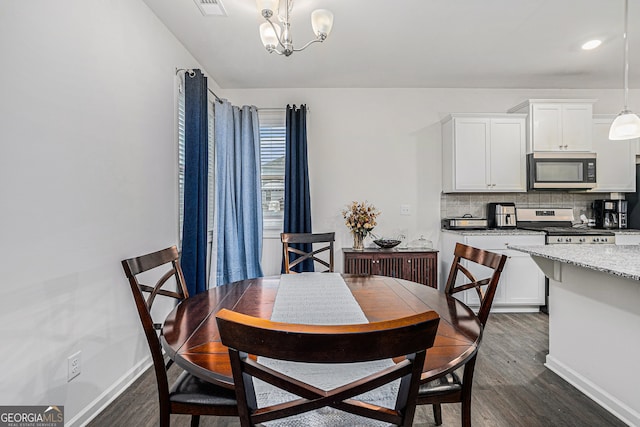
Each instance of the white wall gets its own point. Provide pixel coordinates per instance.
(87, 178)
(383, 145)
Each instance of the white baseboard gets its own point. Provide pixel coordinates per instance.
(616, 407)
(515, 309)
(496, 308)
(89, 412)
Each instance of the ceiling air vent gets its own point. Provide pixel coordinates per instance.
(211, 7)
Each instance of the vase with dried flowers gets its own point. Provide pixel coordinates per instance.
(360, 218)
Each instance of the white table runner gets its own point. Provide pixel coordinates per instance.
(321, 299)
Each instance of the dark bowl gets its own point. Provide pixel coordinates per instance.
(387, 244)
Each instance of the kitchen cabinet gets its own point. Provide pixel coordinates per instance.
(615, 161)
(521, 286)
(558, 124)
(483, 153)
(419, 266)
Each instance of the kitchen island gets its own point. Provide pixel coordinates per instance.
(594, 321)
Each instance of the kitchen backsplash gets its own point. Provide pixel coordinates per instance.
(453, 205)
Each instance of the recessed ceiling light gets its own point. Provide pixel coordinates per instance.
(591, 44)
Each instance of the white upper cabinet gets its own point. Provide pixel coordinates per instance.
(616, 166)
(558, 125)
(483, 153)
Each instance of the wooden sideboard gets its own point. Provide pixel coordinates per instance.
(419, 266)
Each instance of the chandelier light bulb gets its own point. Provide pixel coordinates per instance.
(269, 37)
(322, 22)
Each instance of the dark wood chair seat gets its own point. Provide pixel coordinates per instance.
(294, 255)
(191, 390)
(450, 388)
(407, 339)
(188, 395)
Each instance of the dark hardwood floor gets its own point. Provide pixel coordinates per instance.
(511, 388)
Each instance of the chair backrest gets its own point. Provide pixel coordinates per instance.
(410, 337)
(291, 239)
(133, 267)
(491, 260)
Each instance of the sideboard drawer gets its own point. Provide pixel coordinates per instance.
(416, 266)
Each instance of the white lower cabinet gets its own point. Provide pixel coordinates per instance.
(521, 287)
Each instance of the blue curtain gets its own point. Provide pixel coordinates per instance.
(238, 195)
(194, 228)
(297, 199)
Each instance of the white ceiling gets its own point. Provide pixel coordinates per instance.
(417, 44)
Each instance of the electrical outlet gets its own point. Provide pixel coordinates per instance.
(73, 365)
(405, 209)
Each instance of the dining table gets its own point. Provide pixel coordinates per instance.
(191, 339)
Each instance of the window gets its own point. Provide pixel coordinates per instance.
(272, 158)
(181, 163)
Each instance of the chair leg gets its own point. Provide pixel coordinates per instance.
(467, 383)
(195, 420)
(466, 412)
(437, 413)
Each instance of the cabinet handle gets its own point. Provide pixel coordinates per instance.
(566, 146)
(409, 261)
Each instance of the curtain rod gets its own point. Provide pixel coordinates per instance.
(191, 74)
(278, 109)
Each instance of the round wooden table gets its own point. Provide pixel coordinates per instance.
(191, 338)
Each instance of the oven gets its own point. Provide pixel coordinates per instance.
(557, 225)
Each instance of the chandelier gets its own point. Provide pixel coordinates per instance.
(277, 37)
(627, 124)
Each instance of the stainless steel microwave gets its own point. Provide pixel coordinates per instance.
(561, 171)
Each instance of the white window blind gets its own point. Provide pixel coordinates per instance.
(272, 160)
(181, 159)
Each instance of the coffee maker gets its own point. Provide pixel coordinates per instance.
(610, 213)
(501, 215)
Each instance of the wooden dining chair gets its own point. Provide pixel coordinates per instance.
(408, 337)
(188, 395)
(291, 244)
(450, 388)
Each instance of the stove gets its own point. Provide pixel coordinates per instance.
(557, 224)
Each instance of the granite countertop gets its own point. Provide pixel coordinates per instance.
(623, 261)
(496, 232)
(518, 231)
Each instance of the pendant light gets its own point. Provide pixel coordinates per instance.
(627, 124)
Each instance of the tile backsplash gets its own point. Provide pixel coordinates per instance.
(453, 205)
